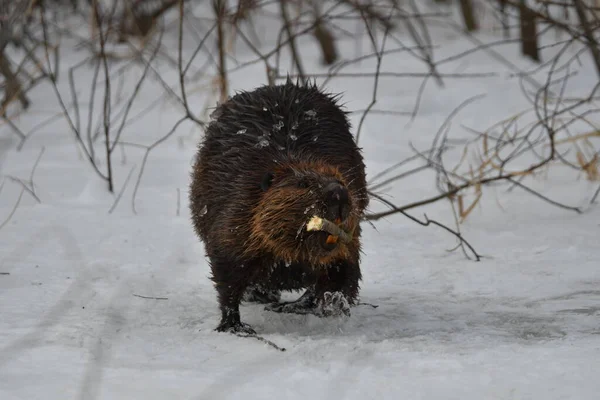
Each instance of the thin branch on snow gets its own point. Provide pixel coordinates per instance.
(145, 159)
(24, 188)
(150, 298)
(13, 211)
(595, 196)
(122, 190)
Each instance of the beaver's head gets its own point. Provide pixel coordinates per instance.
(291, 195)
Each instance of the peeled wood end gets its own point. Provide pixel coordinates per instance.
(315, 224)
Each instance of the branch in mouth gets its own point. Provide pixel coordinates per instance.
(322, 224)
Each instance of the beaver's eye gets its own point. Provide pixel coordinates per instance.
(303, 183)
(267, 181)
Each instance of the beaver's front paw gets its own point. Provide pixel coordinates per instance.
(333, 304)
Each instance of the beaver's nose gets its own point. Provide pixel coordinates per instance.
(337, 204)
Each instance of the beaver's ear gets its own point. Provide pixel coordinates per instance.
(267, 180)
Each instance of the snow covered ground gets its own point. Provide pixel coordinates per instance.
(524, 323)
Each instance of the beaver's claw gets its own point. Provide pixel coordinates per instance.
(333, 305)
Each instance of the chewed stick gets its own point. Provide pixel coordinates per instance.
(321, 224)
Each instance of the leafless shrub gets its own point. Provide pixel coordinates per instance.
(522, 146)
(511, 152)
(12, 18)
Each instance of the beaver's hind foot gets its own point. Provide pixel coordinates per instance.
(306, 304)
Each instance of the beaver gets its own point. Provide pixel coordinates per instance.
(271, 159)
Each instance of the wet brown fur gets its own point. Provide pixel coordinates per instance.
(255, 236)
(288, 209)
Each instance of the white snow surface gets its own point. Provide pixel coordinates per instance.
(523, 323)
